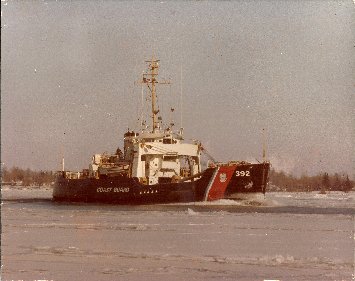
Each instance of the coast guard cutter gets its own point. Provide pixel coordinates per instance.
(158, 166)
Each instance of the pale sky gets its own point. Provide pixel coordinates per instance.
(68, 71)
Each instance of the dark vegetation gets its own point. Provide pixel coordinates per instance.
(18, 176)
(322, 182)
(279, 181)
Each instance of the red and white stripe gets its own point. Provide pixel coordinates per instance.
(219, 182)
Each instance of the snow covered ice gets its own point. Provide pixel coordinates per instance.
(287, 236)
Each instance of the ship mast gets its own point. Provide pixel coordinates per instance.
(150, 80)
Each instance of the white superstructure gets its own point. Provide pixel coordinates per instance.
(161, 157)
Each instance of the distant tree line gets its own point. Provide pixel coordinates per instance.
(278, 180)
(18, 176)
(321, 182)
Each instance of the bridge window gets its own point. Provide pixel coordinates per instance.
(169, 158)
(167, 141)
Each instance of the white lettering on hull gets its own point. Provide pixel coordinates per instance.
(121, 189)
(110, 189)
(242, 173)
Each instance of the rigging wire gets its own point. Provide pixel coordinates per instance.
(142, 105)
(181, 94)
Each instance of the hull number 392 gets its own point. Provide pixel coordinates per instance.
(242, 173)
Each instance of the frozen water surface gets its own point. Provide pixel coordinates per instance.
(287, 236)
